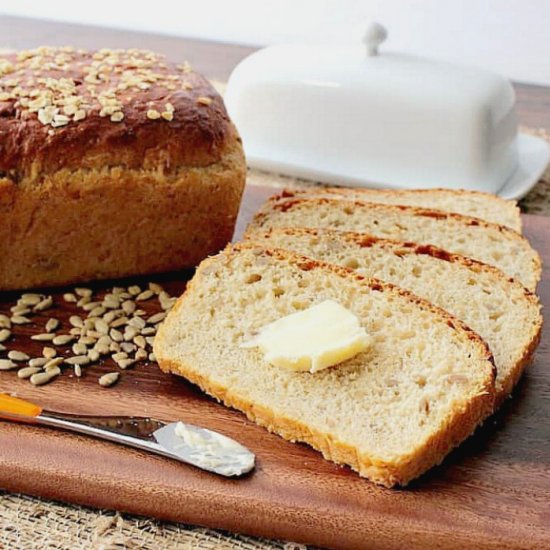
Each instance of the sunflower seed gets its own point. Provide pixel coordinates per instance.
(125, 363)
(79, 349)
(89, 324)
(130, 333)
(97, 311)
(116, 335)
(149, 331)
(38, 362)
(93, 354)
(140, 341)
(49, 353)
(156, 318)
(134, 290)
(83, 292)
(83, 301)
(150, 340)
(128, 307)
(94, 334)
(54, 362)
(121, 321)
(109, 317)
(109, 379)
(77, 371)
(6, 364)
(87, 340)
(20, 310)
(120, 356)
(16, 355)
(41, 378)
(4, 334)
(117, 290)
(27, 372)
(145, 295)
(128, 347)
(44, 304)
(101, 326)
(156, 288)
(63, 339)
(43, 337)
(140, 312)
(140, 355)
(137, 322)
(2, 347)
(76, 321)
(76, 331)
(77, 360)
(20, 320)
(152, 357)
(52, 324)
(30, 299)
(102, 349)
(111, 303)
(69, 297)
(4, 321)
(90, 306)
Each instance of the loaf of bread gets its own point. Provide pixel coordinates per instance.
(486, 242)
(390, 413)
(112, 163)
(476, 204)
(499, 309)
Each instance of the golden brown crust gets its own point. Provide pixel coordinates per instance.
(197, 133)
(81, 225)
(402, 247)
(430, 452)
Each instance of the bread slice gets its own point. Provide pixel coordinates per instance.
(488, 243)
(485, 206)
(390, 413)
(505, 314)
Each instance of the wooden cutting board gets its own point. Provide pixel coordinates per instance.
(492, 492)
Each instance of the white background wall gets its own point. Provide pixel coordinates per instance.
(509, 36)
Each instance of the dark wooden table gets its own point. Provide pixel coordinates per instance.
(214, 59)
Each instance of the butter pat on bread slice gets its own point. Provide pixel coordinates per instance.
(311, 340)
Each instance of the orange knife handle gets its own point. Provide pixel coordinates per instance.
(13, 407)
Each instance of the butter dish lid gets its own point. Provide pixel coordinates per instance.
(357, 115)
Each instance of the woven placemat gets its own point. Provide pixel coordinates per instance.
(28, 523)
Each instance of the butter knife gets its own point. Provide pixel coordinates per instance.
(205, 449)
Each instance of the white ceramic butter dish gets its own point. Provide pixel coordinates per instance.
(351, 115)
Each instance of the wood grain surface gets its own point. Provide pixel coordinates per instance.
(492, 492)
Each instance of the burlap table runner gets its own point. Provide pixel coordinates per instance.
(29, 523)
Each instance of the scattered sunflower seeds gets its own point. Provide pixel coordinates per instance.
(6, 364)
(83, 292)
(77, 371)
(109, 379)
(38, 362)
(63, 339)
(52, 363)
(69, 297)
(27, 372)
(20, 310)
(44, 337)
(20, 320)
(93, 354)
(79, 349)
(156, 288)
(49, 353)
(4, 334)
(41, 378)
(52, 325)
(125, 363)
(31, 299)
(15, 355)
(134, 290)
(145, 295)
(76, 321)
(46, 303)
(152, 357)
(156, 318)
(4, 321)
(78, 360)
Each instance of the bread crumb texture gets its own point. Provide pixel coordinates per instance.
(390, 413)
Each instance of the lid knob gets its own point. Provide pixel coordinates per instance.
(373, 37)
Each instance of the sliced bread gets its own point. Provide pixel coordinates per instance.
(488, 243)
(390, 413)
(505, 314)
(485, 206)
